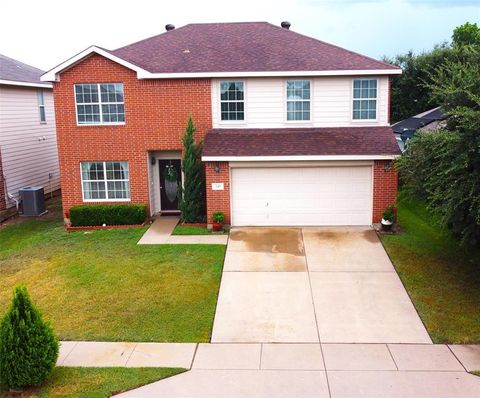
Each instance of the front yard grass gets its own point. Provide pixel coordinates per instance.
(94, 382)
(441, 276)
(190, 230)
(101, 285)
(194, 230)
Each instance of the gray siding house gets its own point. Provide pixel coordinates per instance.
(28, 144)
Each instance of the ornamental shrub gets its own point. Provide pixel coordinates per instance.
(92, 215)
(28, 346)
(218, 217)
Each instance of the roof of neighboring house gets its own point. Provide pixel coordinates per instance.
(17, 73)
(418, 121)
(300, 142)
(233, 49)
(239, 47)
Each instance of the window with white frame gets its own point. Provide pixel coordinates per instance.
(298, 100)
(364, 99)
(232, 100)
(41, 106)
(105, 181)
(100, 103)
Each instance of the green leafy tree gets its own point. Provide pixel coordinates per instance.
(467, 34)
(444, 168)
(410, 94)
(411, 91)
(192, 196)
(28, 346)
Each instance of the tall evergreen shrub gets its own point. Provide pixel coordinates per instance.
(192, 202)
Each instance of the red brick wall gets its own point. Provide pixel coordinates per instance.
(3, 204)
(156, 113)
(385, 185)
(218, 200)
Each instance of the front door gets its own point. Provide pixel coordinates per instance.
(170, 180)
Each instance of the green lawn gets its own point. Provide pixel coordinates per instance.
(101, 285)
(94, 382)
(193, 230)
(190, 230)
(441, 276)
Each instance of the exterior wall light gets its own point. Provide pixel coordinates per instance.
(217, 168)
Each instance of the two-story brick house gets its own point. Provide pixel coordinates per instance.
(296, 130)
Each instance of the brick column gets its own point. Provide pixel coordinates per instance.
(385, 185)
(218, 200)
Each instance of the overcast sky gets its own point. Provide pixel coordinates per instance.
(44, 33)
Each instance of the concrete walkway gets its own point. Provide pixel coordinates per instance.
(310, 285)
(291, 370)
(260, 356)
(160, 233)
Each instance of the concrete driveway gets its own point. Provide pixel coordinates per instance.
(310, 285)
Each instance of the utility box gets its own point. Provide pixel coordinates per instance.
(33, 201)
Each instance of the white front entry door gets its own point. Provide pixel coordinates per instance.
(297, 196)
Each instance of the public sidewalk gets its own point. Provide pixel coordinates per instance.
(280, 356)
(287, 370)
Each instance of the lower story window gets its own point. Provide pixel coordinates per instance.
(108, 181)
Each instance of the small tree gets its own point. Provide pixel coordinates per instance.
(28, 346)
(192, 196)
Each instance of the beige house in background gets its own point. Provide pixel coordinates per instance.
(28, 144)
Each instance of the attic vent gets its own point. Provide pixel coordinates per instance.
(285, 25)
(169, 27)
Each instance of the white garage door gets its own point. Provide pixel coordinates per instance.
(302, 196)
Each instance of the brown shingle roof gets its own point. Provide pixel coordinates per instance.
(13, 70)
(301, 142)
(241, 47)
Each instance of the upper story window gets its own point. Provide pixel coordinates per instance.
(105, 181)
(364, 99)
(232, 100)
(41, 106)
(298, 100)
(100, 103)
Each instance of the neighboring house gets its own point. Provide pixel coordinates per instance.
(431, 120)
(28, 145)
(296, 130)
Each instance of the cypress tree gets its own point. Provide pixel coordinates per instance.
(192, 196)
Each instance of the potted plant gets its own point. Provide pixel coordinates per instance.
(388, 218)
(218, 220)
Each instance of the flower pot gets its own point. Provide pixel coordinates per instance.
(386, 225)
(217, 226)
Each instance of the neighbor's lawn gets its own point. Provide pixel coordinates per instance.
(102, 286)
(442, 277)
(95, 382)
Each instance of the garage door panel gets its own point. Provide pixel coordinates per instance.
(302, 196)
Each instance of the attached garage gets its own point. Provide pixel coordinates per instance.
(296, 196)
(300, 176)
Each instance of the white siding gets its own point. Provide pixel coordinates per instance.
(331, 103)
(28, 147)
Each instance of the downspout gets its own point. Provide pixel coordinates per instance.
(10, 196)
